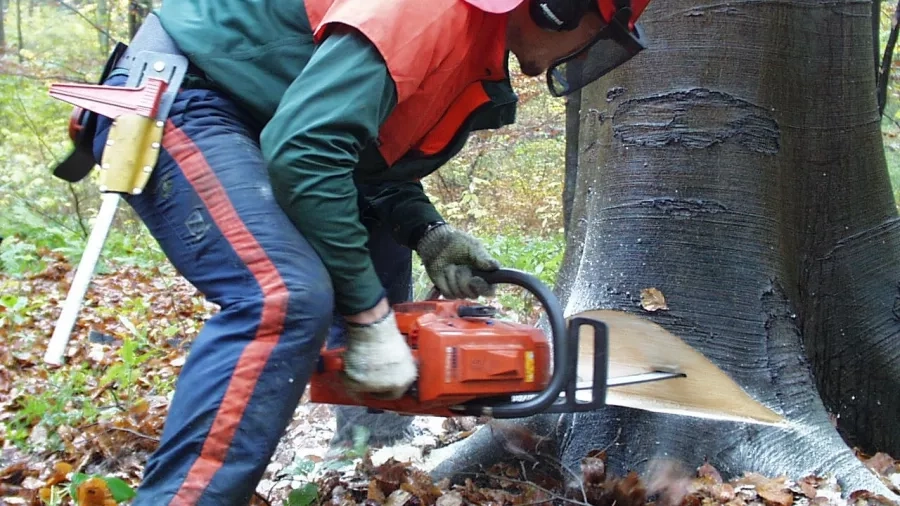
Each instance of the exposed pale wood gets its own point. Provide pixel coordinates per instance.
(637, 345)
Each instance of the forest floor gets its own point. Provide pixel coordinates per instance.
(83, 430)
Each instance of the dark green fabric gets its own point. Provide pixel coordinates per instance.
(312, 144)
(319, 110)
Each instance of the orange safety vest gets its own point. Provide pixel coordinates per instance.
(439, 54)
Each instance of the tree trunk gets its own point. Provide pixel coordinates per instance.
(137, 11)
(103, 21)
(2, 30)
(737, 166)
(876, 34)
(573, 121)
(19, 30)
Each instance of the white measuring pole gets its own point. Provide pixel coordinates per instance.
(57, 346)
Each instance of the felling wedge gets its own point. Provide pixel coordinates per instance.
(639, 346)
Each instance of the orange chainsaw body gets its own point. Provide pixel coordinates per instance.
(460, 358)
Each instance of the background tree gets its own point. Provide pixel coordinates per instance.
(2, 30)
(103, 21)
(737, 165)
(138, 10)
(20, 39)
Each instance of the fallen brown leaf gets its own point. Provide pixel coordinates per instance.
(94, 492)
(60, 472)
(710, 473)
(653, 300)
(374, 492)
(881, 463)
(450, 499)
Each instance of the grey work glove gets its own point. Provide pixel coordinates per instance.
(377, 359)
(449, 257)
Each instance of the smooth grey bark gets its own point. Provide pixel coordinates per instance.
(737, 166)
(573, 120)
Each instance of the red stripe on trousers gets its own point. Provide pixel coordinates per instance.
(275, 298)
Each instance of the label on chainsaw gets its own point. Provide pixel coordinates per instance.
(450, 364)
(529, 367)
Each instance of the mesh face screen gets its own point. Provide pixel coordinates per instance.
(613, 46)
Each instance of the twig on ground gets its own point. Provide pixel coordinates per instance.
(133, 432)
(261, 498)
(535, 486)
(577, 478)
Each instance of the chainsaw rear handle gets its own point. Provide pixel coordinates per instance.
(561, 359)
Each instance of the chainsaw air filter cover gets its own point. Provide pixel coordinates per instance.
(460, 355)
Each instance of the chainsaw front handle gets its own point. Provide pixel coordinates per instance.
(563, 363)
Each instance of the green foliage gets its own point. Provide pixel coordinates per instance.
(509, 181)
(14, 307)
(119, 489)
(31, 198)
(39, 210)
(541, 257)
(309, 492)
(126, 370)
(18, 257)
(303, 496)
(62, 399)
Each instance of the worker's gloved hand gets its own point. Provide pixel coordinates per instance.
(377, 359)
(449, 257)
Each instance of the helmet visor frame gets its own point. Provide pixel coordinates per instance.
(614, 45)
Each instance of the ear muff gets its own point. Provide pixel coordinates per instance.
(558, 15)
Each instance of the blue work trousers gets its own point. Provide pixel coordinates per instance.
(209, 204)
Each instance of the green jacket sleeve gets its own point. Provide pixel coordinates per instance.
(312, 144)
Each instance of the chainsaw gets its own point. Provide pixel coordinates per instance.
(472, 363)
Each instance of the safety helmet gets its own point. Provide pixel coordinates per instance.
(617, 42)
